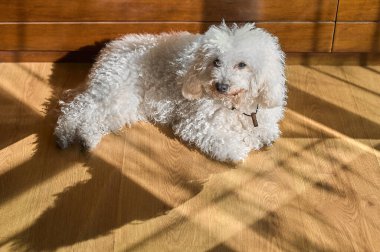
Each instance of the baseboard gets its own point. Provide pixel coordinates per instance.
(291, 58)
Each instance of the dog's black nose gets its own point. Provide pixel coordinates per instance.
(222, 88)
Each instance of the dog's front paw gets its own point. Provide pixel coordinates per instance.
(268, 136)
(238, 156)
(230, 150)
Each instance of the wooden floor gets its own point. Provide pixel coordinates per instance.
(316, 189)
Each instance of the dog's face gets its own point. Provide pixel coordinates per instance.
(229, 76)
(239, 66)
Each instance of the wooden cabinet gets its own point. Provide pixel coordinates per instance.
(357, 37)
(359, 10)
(33, 29)
(294, 37)
(357, 27)
(166, 10)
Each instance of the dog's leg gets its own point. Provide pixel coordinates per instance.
(225, 147)
(216, 140)
(268, 135)
(81, 120)
(110, 101)
(268, 130)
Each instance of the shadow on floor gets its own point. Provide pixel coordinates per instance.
(90, 208)
(109, 199)
(330, 115)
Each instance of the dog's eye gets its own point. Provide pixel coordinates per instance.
(241, 65)
(217, 63)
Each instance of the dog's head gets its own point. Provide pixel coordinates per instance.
(239, 65)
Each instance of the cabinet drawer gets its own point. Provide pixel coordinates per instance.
(357, 37)
(294, 37)
(359, 10)
(167, 10)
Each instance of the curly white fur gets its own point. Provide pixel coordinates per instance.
(170, 79)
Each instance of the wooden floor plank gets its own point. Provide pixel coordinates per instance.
(316, 189)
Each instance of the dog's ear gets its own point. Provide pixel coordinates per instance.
(192, 66)
(272, 92)
(191, 87)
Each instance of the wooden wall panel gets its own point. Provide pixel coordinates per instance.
(294, 37)
(30, 28)
(332, 59)
(302, 37)
(357, 37)
(167, 10)
(359, 10)
(48, 56)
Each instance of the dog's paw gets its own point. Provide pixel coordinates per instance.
(238, 156)
(231, 151)
(88, 143)
(62, 143)
(267, 137)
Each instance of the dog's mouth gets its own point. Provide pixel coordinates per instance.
(231, 99)
(235, 92)
(231, 94)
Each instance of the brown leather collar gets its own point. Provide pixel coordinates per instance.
(252, 115)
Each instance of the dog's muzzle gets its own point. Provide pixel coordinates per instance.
(222, 88)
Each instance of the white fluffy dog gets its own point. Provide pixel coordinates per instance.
(223, 91)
